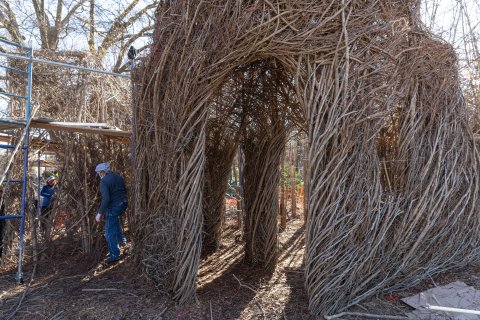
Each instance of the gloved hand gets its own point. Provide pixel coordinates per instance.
(99, 217)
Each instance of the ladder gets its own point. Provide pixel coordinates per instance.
(24, 147)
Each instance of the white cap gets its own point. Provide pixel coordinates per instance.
(102, 167)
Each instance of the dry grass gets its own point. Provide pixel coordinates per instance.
(72, 285)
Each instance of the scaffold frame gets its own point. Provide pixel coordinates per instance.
(29, 122)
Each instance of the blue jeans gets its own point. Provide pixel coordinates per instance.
(113, 230)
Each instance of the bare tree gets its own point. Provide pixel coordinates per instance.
(104, 28)
(456, 21)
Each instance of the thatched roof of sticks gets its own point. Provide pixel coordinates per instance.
(393, 171)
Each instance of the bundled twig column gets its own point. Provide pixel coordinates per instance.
(263, 154)
(220, 153)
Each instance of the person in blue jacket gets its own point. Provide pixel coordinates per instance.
(47, 193)
(114, 203)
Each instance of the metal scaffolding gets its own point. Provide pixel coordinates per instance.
(24, 148)
(28, 123)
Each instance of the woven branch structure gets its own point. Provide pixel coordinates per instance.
(72, 96)
(393, 170)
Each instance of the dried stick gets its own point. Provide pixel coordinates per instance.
(364, 315)
(19, 304)
(211, 312)
(101, 289)
(244, 285)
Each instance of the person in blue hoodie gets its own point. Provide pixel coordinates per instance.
(47, 193)
(114, 204)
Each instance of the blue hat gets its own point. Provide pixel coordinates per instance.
(102, 167)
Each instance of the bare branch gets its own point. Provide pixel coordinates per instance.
(118, 27)
(10, 22)
(69, 15)
(91, 27)
(43, 22)
(58, 15)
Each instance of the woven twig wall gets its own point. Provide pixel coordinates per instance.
(393, 169)
(64, 94)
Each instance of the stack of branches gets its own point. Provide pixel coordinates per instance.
(393, 170)
(70, 95)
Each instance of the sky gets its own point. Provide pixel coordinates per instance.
(456, 21)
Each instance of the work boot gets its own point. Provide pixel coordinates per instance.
(111, 260)
(124, 248)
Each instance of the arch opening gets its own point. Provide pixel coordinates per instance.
(256, 108)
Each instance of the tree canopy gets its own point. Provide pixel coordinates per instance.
(106, 29)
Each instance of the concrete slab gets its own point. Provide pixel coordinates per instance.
(455, 295)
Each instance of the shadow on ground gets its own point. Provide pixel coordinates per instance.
(72, 285)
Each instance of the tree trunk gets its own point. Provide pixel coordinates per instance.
(91, 27)
(33, 234)
(293, 184)
(240, 190)
(305, 178)
(283, 209)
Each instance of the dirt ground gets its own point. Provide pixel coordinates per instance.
(76, 286)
